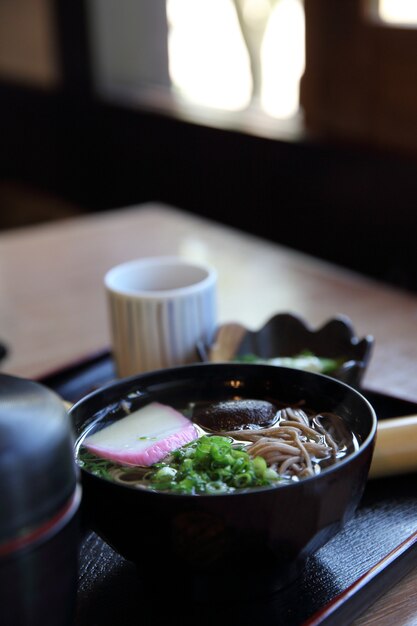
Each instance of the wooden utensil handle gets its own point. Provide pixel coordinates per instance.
(396, 447)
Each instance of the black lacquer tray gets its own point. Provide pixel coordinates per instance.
(373, 552)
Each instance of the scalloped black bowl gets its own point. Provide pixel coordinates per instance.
(256, 540)
(287, 334)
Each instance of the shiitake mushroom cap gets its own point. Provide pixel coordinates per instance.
(235, 414)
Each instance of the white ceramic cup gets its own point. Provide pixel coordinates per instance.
(159, 309)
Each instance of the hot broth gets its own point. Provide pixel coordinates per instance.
(232, 445)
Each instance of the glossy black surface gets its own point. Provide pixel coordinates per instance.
(37, 470)
(263, 537)
(38, 583)
(110, 590)
(287, 334)
(39, 507)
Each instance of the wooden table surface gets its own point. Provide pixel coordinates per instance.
(53, 310)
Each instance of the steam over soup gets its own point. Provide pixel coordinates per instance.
(212, 447)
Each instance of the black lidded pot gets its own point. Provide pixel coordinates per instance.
(39, 507)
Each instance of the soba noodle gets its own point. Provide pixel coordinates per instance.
(294, 442)
(294, 447)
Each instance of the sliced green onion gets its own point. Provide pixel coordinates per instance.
(260, 466)
(209, 465)
(165, 474)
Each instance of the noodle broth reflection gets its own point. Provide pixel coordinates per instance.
(232, 445)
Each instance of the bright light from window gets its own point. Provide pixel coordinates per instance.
(209, 62)
(283, 59)
(398, 11)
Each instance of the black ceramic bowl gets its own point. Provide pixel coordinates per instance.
(257, 539)
(287, 335)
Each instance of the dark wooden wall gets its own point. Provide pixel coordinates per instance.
(350, 205)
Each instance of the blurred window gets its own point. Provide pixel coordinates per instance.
(233, 54)
(230, 56)
(401, 12)
(279, 68)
